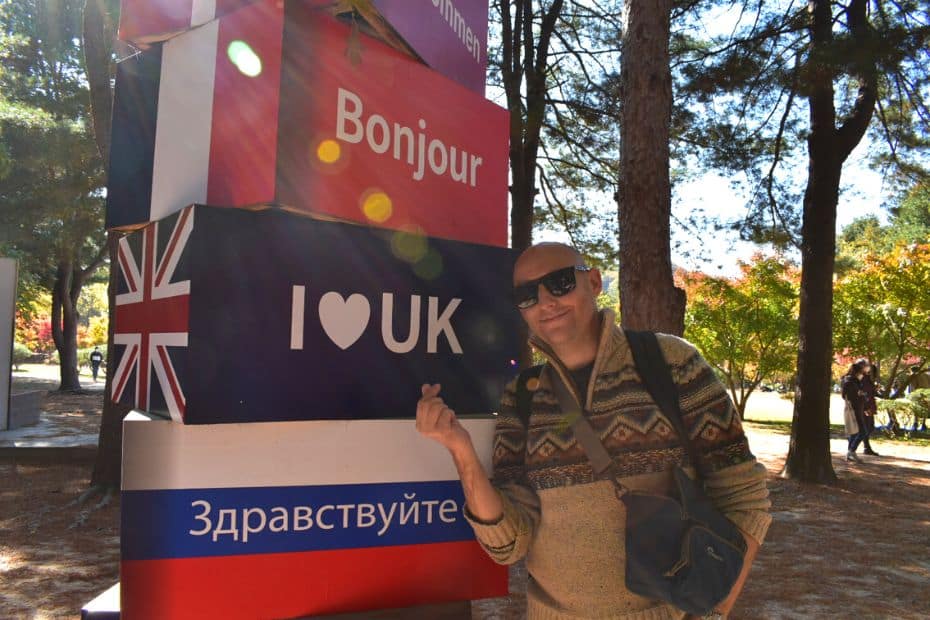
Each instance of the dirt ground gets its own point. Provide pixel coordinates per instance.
(855, 549)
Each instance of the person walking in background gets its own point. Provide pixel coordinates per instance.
(96, 358)
(854, 407)
(870, 407)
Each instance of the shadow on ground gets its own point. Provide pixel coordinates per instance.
(857, 549)
(854, 549)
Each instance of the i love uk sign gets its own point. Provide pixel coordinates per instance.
(281, 103)
(232, 315)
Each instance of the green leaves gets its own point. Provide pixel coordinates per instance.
(882, 310)
(51, 175)
(743, 95)
(746, 327)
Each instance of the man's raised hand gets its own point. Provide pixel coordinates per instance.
(438, 422)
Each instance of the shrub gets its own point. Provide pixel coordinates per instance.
(920, 400)
(21, 355)
(898, 407)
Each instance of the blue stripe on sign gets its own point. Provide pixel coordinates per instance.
(132, 148)
(158, 524)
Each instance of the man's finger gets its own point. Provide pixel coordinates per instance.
(434, 409)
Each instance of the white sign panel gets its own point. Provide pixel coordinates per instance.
(7, 316)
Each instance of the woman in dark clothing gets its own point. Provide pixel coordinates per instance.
(854, 413)
(870, 407)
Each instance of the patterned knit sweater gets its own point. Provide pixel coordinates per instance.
(570, 526)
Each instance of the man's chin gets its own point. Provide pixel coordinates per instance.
(554, 337)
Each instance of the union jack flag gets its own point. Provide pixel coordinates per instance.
(152, 316)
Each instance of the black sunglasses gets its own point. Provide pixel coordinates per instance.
(559, 282)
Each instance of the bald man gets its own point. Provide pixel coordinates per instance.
(544, 502)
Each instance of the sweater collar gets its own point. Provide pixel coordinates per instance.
(605, 348)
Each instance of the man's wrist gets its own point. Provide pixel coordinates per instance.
(463, 452)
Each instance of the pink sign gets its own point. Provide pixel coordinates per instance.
(449, 35)
(288, 106)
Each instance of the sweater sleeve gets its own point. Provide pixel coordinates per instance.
(507, 539)
(733, 479)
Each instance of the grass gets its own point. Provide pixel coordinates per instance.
(770, 411)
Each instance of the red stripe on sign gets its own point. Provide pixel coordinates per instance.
(244, 144)
(287, 585)
(168, 315)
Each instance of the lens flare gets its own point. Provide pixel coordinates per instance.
(245, 59)
(377, 206)
(430, 266)
(409, 246)
(328, 151)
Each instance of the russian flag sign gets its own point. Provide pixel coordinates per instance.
(232, 315)
(289, 519)
(283, 103)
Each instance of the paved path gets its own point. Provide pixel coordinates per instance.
(65, 421)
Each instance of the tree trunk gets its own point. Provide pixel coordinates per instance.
(828, 147)
(741, 404)
(98, 45)
(64, 326)
(108, 464)
(809, 452)
(97, 27)
(648, 296)
(521, 237)
(524, 67)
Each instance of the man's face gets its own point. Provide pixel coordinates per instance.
(558, 321)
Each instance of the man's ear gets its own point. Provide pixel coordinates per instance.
(597, 285)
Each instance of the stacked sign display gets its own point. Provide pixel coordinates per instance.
(317, 194)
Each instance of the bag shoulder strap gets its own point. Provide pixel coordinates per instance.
(657, 377)
(587, 437)
(525, 394)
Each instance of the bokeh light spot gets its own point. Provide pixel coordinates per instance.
(377, 206)
(328, 151)
(430, 266)
(245, 59)
(410, 246)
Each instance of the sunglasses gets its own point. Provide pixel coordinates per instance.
(559, 282)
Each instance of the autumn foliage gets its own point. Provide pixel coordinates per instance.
(746, 327)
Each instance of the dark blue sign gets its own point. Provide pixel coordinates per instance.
(132, 148)
(240, 316)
